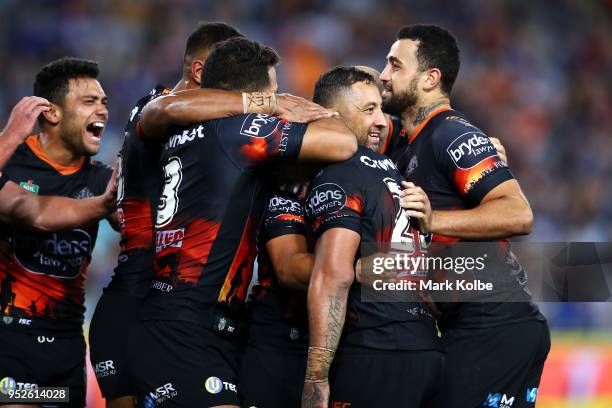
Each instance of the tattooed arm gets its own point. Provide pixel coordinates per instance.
(331, 279)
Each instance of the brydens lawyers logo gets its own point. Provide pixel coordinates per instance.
(325, 198)
(469, 149)
(254, 125)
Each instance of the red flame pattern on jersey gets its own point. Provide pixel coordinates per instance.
(236, 283)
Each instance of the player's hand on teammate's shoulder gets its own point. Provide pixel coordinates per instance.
(501, 150)
(296, 109)
(416, 203)
(110, 195)
(23, 117)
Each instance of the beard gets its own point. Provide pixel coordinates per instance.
(400, 101)
(71, 135)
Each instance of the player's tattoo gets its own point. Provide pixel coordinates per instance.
(312, 396)
(259, 100)
(335, 315)
(423, 112)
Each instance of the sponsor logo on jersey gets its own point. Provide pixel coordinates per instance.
(326, 198)
(215, 385)
(9, 383)
(532, 394)
(169, 238)
(188, 135)
(412, 165)
(30, 186)
(105, 368)
(382, 164)
(498, 400)
(84, 193)
(281, 204)
(159, 395)
(60, 254)
(254, 125)
(469, 149)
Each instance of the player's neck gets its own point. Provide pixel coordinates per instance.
(54, 149)
(185, 84)
(416, 115)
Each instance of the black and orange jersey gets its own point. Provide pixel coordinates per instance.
(397, 139)
(3, 180)
(42, 278)
(362, 194)
(278, 316)
(456, 165)
(210, 208)
(138, 190)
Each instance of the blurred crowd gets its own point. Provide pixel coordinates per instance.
(534, 74)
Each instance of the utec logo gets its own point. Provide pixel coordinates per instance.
(7, 384)
(214, 385)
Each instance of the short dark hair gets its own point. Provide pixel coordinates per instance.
(337, 80)
(437, 48)
(205, 36)
(238, 64)
(52, 81)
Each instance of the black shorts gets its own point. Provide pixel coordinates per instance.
(180, 364)
(494, 367)
(272, 378)
(362, 378)
(45, 358)
(108, 337)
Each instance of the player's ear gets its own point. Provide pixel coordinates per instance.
(196, 70)
(432, 79)
(53, 115)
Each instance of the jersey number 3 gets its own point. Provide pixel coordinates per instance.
(169, 201)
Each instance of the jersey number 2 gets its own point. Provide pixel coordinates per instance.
(169, 201)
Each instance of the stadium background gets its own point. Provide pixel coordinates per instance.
(534, 74)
